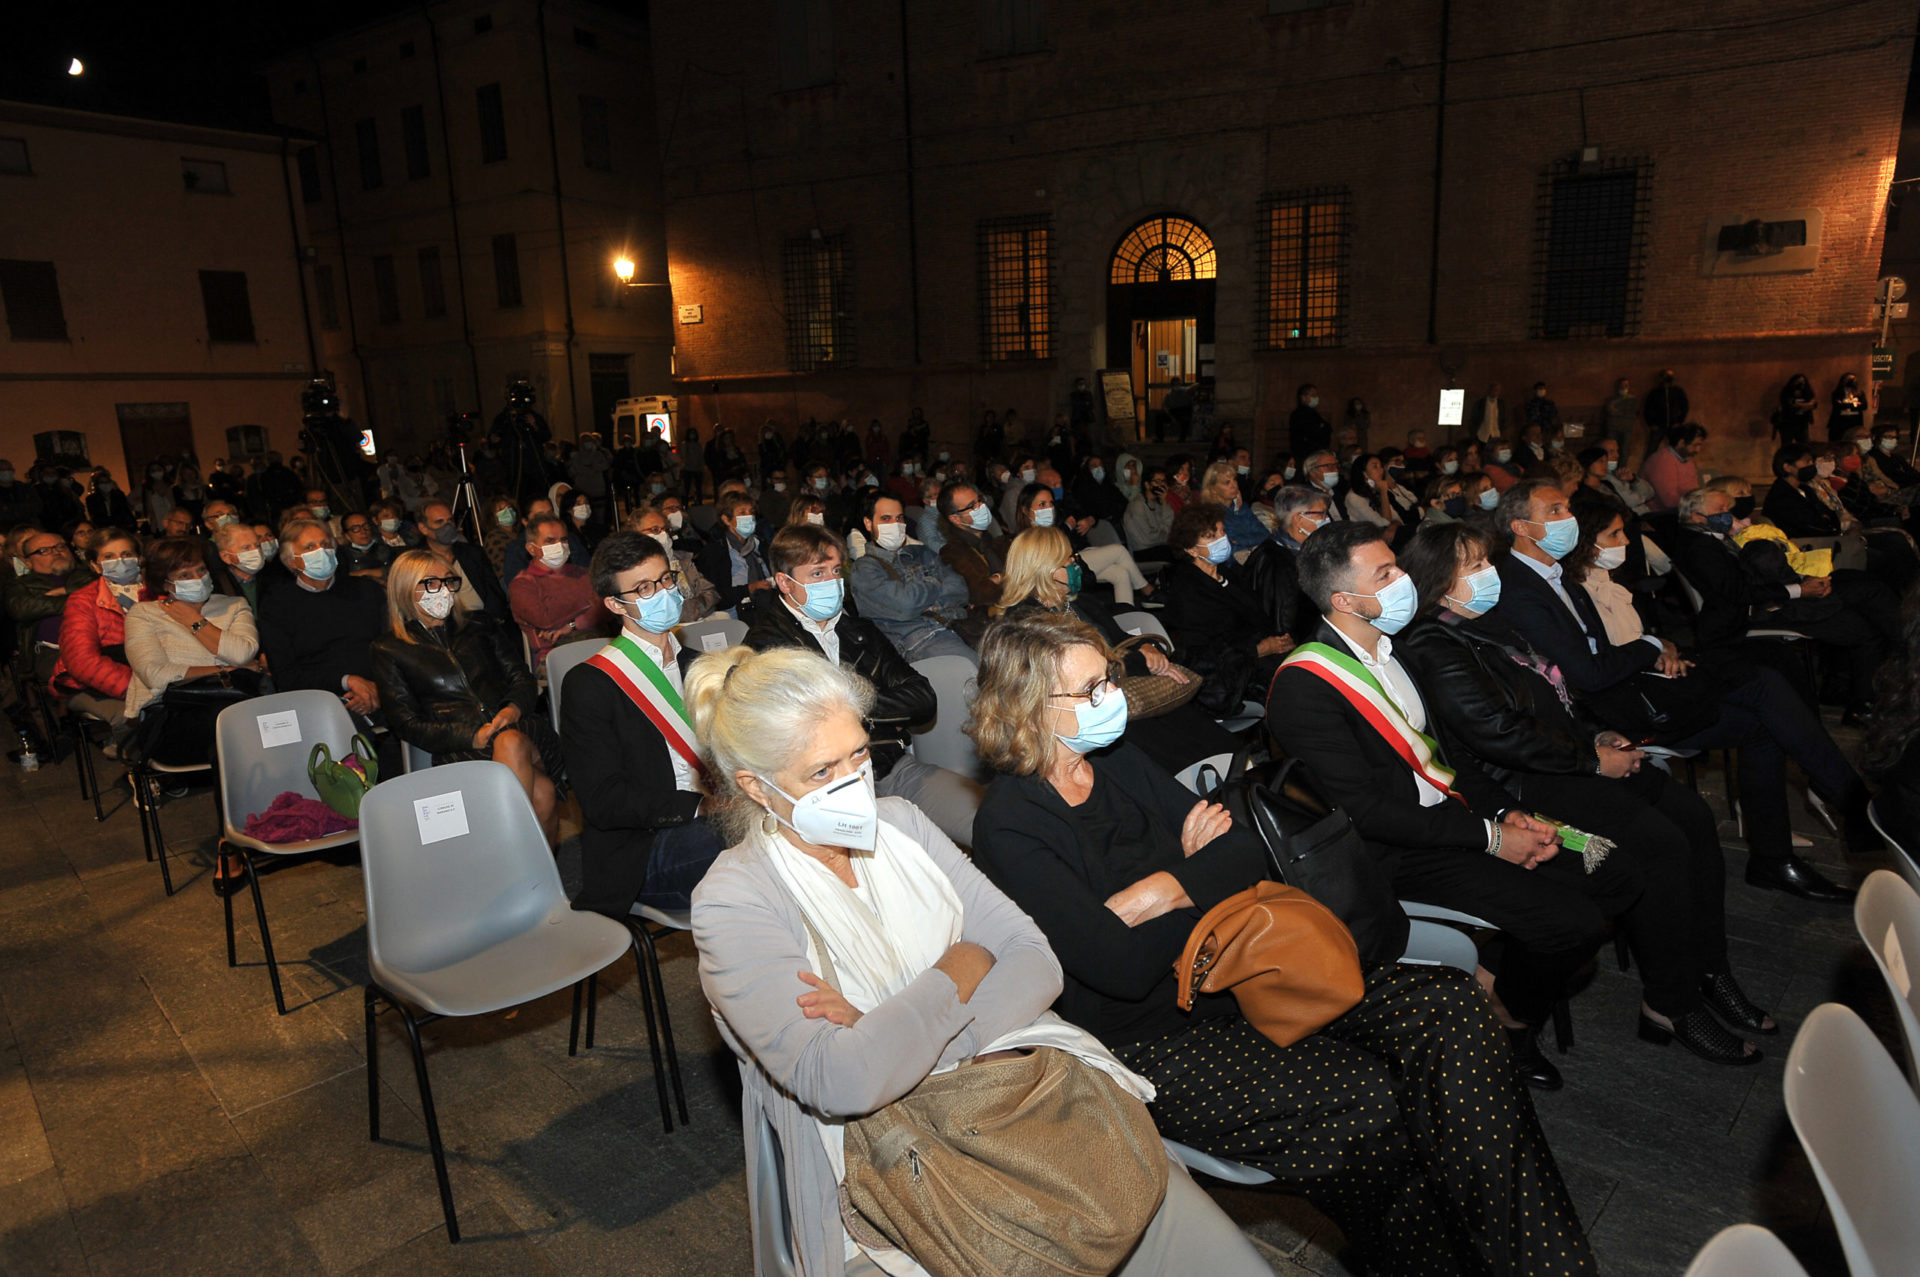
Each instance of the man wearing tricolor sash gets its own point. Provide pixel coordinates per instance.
(631, 754)
(1453, 836)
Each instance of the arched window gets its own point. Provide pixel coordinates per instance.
(1163, 250)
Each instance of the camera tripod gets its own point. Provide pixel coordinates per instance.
(466, 500)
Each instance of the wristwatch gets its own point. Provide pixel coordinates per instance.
(197, 626)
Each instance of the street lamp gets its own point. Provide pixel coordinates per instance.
(623, 269)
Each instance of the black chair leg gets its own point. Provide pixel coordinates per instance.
(373, 1062)
(1562, 1026)
(666, 1023)
(433, 1120)
(266, 936)
(573, 1034)
(226, 903)
(159, 844)
(93, 778)
(593, 1005)
(136, 782)
(1733, 790)
(653, 1032)
(1621, 954)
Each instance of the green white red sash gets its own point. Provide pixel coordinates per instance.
(648, 688)
(1362, 691)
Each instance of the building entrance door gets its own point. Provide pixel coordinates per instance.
(149, 431)
(1160, 288)
(607, 382)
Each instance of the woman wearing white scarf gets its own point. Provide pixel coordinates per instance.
(935, 966)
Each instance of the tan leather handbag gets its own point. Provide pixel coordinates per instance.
(1287, 960)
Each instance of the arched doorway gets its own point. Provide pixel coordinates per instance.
(1160, 309)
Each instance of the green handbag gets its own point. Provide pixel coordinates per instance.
(341, 784)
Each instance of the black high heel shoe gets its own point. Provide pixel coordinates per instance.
(1701, 1034)
(1726, 1000)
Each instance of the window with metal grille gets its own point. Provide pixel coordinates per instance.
(493, 123)
(1016, 287)
(386, 289)
(1302, 263)
(433, 291)
(31, 293)
(819, 292)
(596, 142)
(307, 161)
(1590, 242)
(229, 312)
(1164, 250)
(323, 294)
(506, 270)
(413, 134)
(366, 136)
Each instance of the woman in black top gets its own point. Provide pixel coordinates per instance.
(1849, 408)
(1219, 627)
(1402, 1119)
(1502, 705)
(1794, 422)
(453, 682)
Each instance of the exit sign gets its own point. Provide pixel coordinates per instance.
(1883, 363)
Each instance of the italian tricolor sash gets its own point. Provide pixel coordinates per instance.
(636, 675)
(1362, 691)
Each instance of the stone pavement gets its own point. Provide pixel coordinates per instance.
(157, 1116)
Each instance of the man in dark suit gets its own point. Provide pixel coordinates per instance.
(1754, 709)
(442, 536)
(807, 611)
(645, 839)
(1470, 845)
(1272, 572)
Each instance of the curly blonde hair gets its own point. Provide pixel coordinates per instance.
(1032, 560)
(1019, 661)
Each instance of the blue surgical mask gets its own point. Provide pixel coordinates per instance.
(1489, 498)
(1485, 595)
(980, 518)
(1219, 550)
(824, 599)
(1561, 536)
(321, 512)
(121, 571)
(1449, 467)
(744, 525)
(1721, 523)
(1099, 473)
(1097, 726)
(320, 564)
(1043, 518)
(193, 590)
(660, 613)
(1398, 599)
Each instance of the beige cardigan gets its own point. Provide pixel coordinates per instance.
(160, 650)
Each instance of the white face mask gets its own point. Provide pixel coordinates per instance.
(1610, 558)
(817, 520)
(890, 536)
(438, 604)
(666, 542)
(675, 519)
(554, 555)
(840, 813)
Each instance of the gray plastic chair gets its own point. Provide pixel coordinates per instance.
(1221, 1169)
(1434, 944)
(1887, 915)
(467, 923)
(414, 759)
(1141, 623)
(251, 775)
(1420, 912)
(1905, 854)
(1859, 1123)
(145, 777)
(1194, 776)
(700, 635)
(1745, 1250)
(768, 1212)
(944, 744)
(560, 662)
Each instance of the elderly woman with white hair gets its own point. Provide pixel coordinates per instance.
(852, 955)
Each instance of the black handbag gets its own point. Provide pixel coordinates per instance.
(1313, 846)
(176, 727)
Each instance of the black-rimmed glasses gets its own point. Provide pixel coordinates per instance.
(434, 584)
(647, 589)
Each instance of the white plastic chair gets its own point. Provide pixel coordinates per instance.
(1218, 1167)
(1745, 1250)
(1141, 623)
(1859, 1123)
(560, 661)
(1906, 855)
(1194, 778)
(414, 759)
(466, 916)
(1887, 915)
(1434, 944)
(1420, 912)
(768, 1212)
(251, 773)
(944, 744)
(714, 633)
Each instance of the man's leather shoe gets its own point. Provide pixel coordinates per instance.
(1797, 878)
(1534, 1068)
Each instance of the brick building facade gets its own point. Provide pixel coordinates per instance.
(835, 230)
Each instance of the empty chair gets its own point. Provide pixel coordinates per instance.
(944, 744)
(465, 916)
(1745, 1250)
(261, 750)
(1141, 623)
(1859, 1123)
(711, 634)
(1887, 915)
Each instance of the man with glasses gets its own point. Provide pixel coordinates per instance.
(1272, 572)
(553, 600)
(631, 756)
(362, 553)
(37, 598)
(317, 629)
(972, 548)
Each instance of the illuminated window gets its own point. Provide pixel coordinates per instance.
(1163, 250)
(819, 294)
(1302, 265)
(1016, 287)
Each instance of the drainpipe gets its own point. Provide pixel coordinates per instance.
(453, 215)
(1439, 170)
(299, 265)
(559, 214)
(913, 220)
(340, 222)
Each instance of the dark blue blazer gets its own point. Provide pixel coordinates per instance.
(1530, 606)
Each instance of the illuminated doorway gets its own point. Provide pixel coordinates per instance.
(1160, 309)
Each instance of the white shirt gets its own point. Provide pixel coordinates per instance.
(826, 633)
(668, 663)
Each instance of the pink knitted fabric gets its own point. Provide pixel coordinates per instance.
(292, 818)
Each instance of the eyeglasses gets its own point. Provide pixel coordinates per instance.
(45, 549)
(434, 584)
(1093, 696)
(647, 589)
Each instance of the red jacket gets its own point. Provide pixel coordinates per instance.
(93, 620)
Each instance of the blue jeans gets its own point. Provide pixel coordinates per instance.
(681, 855)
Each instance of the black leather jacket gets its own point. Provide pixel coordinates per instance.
(440, 689)
(903, 698)
(1484, 703)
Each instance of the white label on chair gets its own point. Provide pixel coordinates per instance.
(441, 817)
(279, 729)
(1896, 962)
(716, 642)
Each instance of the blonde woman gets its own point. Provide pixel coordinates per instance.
(452, 681)
(1220, 486)
(933, 966)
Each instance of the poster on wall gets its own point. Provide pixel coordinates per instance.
(69, 446)
(1453, 407)
(1116, 392)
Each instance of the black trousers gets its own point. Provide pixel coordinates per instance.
(1762, 718)
(1667, 833)
(1554, 916)
(1854, 638)
(1403, 1120)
